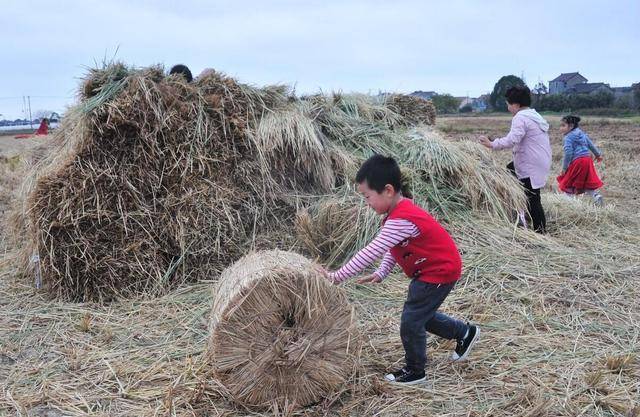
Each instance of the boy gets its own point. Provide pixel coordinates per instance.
(413, 239)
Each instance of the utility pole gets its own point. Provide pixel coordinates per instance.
(30, 118)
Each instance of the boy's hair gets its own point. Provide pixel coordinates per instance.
(519, 94)
(378, 171)
(571, 120)
(182, 70)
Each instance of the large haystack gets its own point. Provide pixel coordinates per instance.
(155, 181)
(153, 184)
(281, 334)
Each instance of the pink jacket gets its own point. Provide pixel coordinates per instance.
(529, 139)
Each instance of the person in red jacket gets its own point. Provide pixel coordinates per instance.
(427, 254)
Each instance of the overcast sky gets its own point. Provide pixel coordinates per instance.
(454, 46)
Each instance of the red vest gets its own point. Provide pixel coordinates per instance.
(432, 256)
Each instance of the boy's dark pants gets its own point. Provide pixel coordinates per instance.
(420, 315)
(534, 204)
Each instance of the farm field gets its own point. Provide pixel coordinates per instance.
(559, 313)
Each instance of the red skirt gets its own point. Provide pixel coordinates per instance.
(580, 176)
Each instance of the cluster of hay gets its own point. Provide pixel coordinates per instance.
(152, 175)
(155, 181)
(334, 228)
(414, 109)
(453, 180)
(282, 336)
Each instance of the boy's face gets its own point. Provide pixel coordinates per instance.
(380, 202)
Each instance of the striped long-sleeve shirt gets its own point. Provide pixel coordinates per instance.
(392, 233)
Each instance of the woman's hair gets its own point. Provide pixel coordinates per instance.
(519, 94)
(571, 120)
(182, 70)
(378, 171)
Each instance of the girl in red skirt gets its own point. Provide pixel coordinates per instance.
(578, 172)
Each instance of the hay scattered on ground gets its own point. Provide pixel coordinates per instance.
(558, 312)
(282, 336)
(9, 180)
(563, 320)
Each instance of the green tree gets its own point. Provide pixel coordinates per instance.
(496, 99)
(624, 102)
(445, 103)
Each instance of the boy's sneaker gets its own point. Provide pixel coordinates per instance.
(406, 377)
(464, 345)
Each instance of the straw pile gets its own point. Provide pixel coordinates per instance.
(154, 182)
(334, 228)
(281, 334)
(414, 109)
(453, 180)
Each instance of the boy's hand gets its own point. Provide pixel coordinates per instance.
(327, 276)
(485, 141)
(369, 279)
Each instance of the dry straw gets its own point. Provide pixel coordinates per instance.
(154, 182)
(558, 312)
(414, 109)
(281, 334)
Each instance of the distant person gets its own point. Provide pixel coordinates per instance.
(182, 70)
(529, 141)
(43, 130)
(427, 254)
(578, 172)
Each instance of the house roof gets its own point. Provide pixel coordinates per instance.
(566, 76)
(424, 94)
(586, 88)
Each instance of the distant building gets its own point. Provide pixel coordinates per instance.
(427, 95)
(480, 104)
(622, 91)
(565, 81)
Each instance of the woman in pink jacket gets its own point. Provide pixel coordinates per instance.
(529, 141)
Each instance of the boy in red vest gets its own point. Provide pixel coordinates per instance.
(413, 239)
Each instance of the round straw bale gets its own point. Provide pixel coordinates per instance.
(281, 334)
